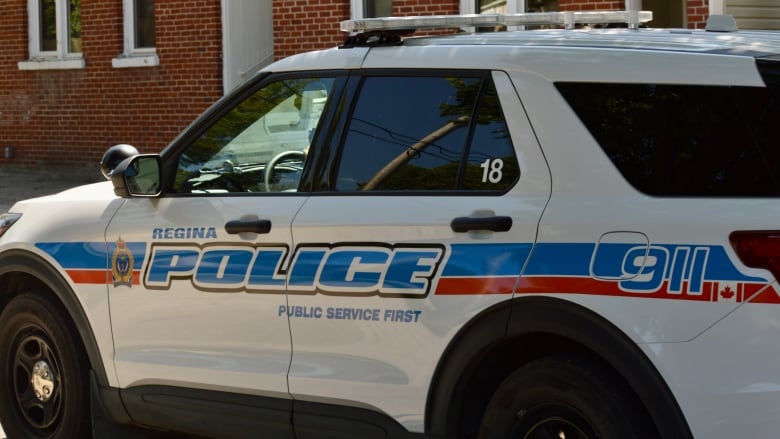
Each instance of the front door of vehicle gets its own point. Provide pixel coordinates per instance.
(424, 219)
(196, 295)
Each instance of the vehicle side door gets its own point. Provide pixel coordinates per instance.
(195, 297)
(424, 218)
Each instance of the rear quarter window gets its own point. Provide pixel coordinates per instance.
(685, 140)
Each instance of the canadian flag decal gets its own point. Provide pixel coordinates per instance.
(727, 292)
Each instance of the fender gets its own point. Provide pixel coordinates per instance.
(22, 262)
(106, 402)
(505, 336)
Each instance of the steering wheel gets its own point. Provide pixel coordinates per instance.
(269, 167)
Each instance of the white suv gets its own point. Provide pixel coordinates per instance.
(529, 234)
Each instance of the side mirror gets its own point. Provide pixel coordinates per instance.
(114, 156)
(137, 176)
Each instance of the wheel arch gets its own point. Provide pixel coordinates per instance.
(22, 271)
(512, 333)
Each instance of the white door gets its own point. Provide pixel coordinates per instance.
(203, 305)
(429, 217)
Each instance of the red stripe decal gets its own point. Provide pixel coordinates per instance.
(475, 285)
(711, 291)
(101, 277)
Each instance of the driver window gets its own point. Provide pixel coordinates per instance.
(260, 145)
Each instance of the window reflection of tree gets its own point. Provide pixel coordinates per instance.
(401, 173)
(681, 140)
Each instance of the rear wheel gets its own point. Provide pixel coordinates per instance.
(44, 373)
(562, 398)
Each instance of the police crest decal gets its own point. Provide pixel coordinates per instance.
(122, 264)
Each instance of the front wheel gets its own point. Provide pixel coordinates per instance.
(44, 374)
(554, 398)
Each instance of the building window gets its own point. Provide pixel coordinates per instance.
(143, 17)
(55, 35)
(371, 8)
(541, 5)
(507, 6)
(491, 6)
(140, 35)
(377, 8)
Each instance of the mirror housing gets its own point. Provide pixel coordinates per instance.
(114, 156)
(137, 176)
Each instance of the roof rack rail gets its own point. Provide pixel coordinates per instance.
(566, 19)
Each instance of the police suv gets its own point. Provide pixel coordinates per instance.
(556, 233)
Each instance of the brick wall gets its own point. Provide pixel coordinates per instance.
(301, 26)
(423, 7)
(590, 5)
(697, 12)
(69, 117)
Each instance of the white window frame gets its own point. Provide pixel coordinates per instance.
(716, 7)
(356, 9)
(512, 6)
(133, 56)
(60, 58)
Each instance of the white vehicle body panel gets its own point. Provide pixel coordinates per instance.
(96, 206)
(235, 342)
(322, 60)
(387, 363)
(715, 353)
(639, 67)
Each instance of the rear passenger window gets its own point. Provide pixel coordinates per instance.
(432, 133)
(684, 140)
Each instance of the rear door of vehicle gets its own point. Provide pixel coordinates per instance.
(425, 217)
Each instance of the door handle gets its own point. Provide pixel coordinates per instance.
(465, 224)
(250, 226)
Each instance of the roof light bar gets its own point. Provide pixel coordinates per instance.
(567, 19)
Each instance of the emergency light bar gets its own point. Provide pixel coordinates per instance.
(566, 19)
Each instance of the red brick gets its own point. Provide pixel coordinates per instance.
(69, 117)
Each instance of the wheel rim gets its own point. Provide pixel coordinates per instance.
(36, 380)
(551, 422)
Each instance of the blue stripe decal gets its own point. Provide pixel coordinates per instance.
(486, 259)
(89, 255)
(77, 255)
(675, 263)
(555, 259)
(710, 262)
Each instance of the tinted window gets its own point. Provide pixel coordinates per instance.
(427, 134)
(682, 140)
(491, 162)
(260, 145)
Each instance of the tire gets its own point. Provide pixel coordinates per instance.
(44, 387)
(559, 397)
